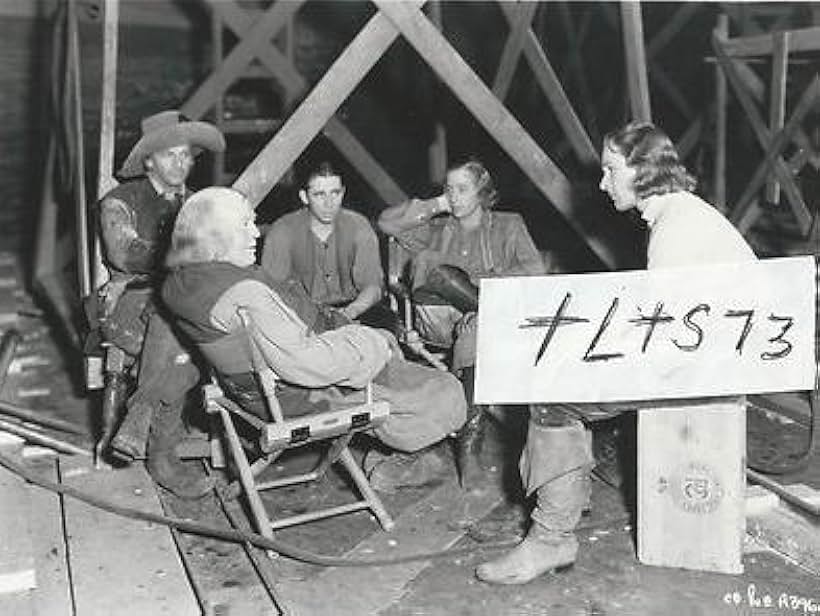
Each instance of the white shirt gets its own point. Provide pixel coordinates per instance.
(685, 230)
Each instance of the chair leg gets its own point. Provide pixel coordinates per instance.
(337, 446)
(373, 500)
(258, 512)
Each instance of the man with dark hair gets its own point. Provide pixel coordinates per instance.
(136, 219)
(213, 276)
(329, 249)
(641, 170)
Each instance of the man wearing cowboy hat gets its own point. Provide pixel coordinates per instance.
(136, 218)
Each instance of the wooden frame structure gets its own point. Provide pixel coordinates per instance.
(317, 110)
(775, 173)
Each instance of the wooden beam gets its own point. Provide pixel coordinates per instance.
(721, 103)
(108, 129)
(554, 93)
(239, 58)
(307, 120)
(775, 147)
(575, 67)
(637, 81)
(798, 205)
(80, 198)
(295, 85)
(777, 104)
(437, 152)
(805, 39)
(492, 115)
(673, 93)
(672, 27)
(689, 138)
(519, 26)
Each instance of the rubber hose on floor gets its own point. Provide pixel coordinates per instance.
(237, 536)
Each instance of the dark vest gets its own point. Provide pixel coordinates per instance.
(154, 216)
(191, 292)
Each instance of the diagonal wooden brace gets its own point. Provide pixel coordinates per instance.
(798, 205)
(778, 143)
(491, 114)
(295, 85)
(238, 59)
(307, 120)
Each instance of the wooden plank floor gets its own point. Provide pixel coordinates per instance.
(118, 565)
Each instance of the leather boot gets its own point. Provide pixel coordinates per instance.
(468, 451)
(541, 551)
(555, 464)
(470, 437)
(132, 436)
(185, 479)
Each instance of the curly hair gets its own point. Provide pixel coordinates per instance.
(651, 153)
(487, 192)
(199, 234)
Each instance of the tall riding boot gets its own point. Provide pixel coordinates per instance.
(555, 464)
(186, 479)
(470, 437)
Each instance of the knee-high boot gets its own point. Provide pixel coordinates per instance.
(555, 464)
(470, 437)
(186, 479)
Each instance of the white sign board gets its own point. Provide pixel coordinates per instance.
(646, 335)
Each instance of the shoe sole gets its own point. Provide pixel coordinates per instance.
(554, 571)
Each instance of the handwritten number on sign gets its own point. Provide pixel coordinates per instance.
(747, 327)
(787, 346)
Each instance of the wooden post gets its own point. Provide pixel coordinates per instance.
(777, 108)
(217, 51)
(437, 152)
(492, 115)
(763, 136)
(108, 116)
(721, 100)
(637, 82)
(81, 207)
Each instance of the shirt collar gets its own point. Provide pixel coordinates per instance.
(167, 194)
(653, 208)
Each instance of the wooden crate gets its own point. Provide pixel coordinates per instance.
(691, 485)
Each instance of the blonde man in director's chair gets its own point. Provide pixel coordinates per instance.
(239, 318)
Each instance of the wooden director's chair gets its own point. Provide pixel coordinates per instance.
(280, 434)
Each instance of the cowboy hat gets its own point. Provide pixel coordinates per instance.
(167, 129)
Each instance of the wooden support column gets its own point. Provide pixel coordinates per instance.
(492, 115)
(798, 205)
(638, 85)
(80, 198)
(108, 117)
(437, 152)
(775, 148)
(777, 104)
(721, 32)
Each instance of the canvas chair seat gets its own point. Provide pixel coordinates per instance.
(277, 431)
